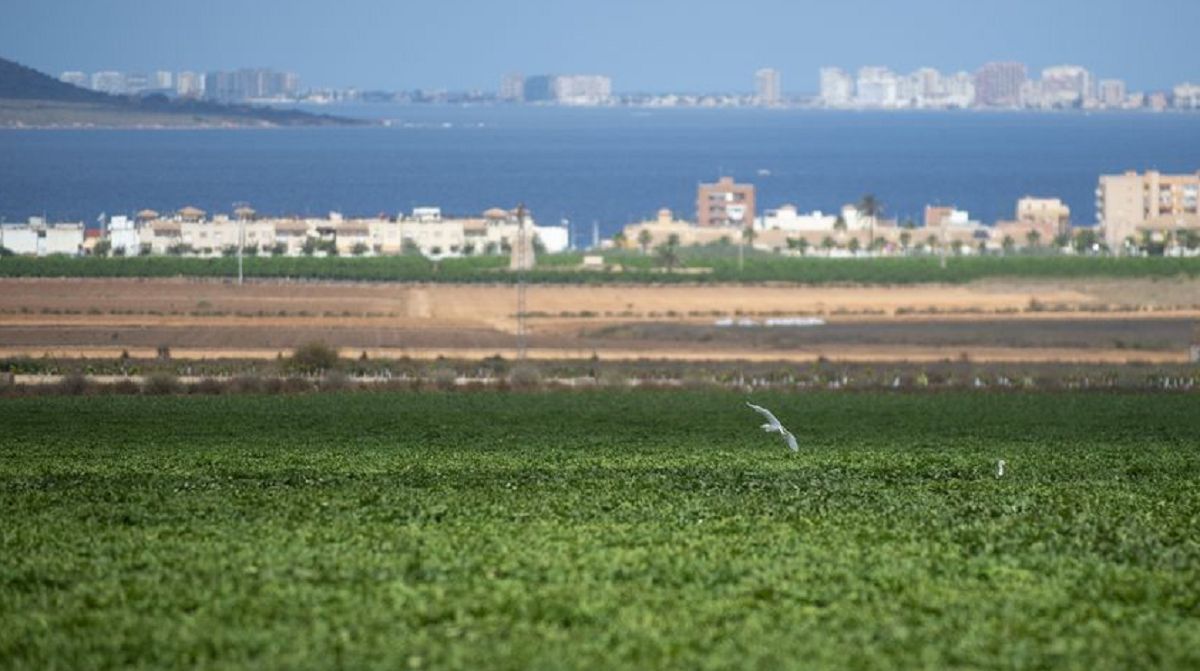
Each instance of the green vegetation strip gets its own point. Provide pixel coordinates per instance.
(705, 266)
(600, 530)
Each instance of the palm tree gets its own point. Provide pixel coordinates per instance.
(668, 256)
(839, 224)
(905, 240)
(853, 245)
(644, 239)
(1009, 244)
(1033, 238)
(828, 244)
(619, 240)
(1191, 238)
(803, 245)
(870, 207)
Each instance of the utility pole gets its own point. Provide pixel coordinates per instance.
(241, 244)
(521, 261)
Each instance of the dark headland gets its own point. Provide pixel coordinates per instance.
(29, 98)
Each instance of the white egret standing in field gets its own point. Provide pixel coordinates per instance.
(1000, 468)
(773, 426)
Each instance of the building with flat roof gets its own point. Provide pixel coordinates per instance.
(999, 84)
(837, 87)
(512, 87)
(766, 86)
(1131, 205)
(876, 87)
(725, 203)
(1111, 92)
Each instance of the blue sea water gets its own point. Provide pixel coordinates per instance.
(609, 166)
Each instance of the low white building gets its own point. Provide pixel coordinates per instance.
(19, 239)
(38, 238)
(124, 235)
(788, 219)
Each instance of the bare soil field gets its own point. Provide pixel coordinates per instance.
(1109, 321)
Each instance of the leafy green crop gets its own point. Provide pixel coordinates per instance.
(600, 530)
(562, 268)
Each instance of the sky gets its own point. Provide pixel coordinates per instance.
(645, 45)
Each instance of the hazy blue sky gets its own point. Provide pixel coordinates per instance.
(646, 45)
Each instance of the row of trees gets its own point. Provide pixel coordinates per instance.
(310, 247)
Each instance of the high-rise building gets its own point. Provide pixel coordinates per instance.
(136, 82)
(189, 84)
(725, 203)
(1066, 86)
(766, 86)
(163, 80)
(999, 84)
(876, 87)
(927, 84)
(512, 87)
(569, 89)
(249, 84)
(582, 89)
(1131, 205)
(75, 78)
(1186, 96)
(837, 88)
(960, 89)
(1112, 92)
(109, 81)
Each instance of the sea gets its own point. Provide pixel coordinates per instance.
(595, 169)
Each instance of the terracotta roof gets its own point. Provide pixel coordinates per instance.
(166, 227)
(190, 212)
(496, 213)
(147, 214)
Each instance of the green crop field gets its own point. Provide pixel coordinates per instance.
(702, 265)
(605, 529)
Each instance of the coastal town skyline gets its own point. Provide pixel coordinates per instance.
(995, 85)
(381, 47)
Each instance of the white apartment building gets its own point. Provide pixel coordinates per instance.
(1066, 86)
(1187, 96)
(108, 81)
(124, 235)
(1112, 92)
(189, 84)
(789, 219)
(837, 87)
(876, 87)
(766, 86)
(75, 78)
(583, 89)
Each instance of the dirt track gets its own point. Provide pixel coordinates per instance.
(205, 318)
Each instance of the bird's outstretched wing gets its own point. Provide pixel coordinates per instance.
(765, 413)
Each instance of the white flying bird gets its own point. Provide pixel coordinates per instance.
(1000, 468)
(773, 426)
